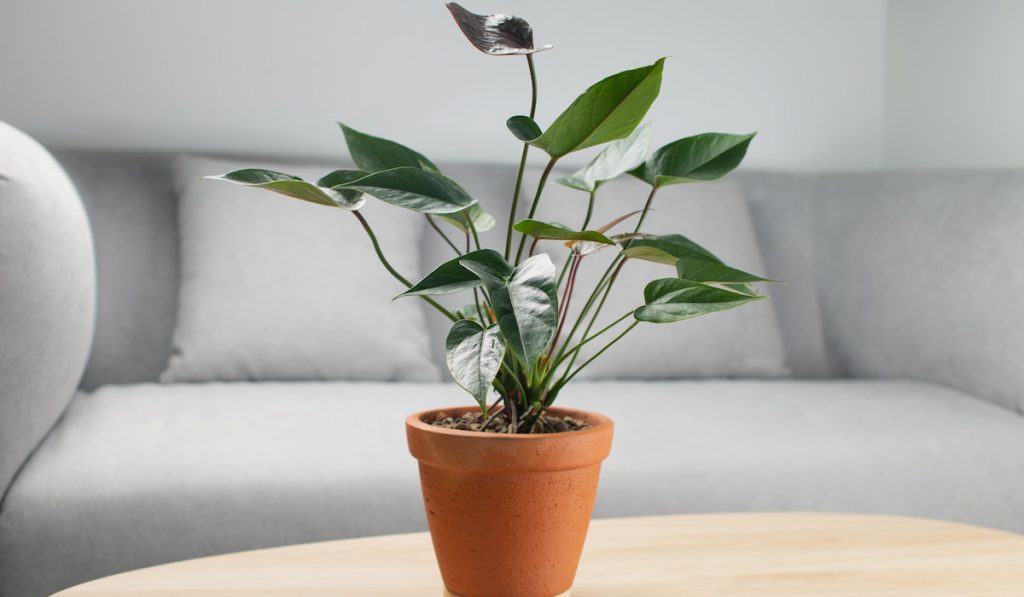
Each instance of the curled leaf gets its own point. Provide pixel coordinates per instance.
(524, 128)
(556, 231)
(497, 35)
(294, 187)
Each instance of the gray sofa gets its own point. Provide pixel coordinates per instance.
(900, 325)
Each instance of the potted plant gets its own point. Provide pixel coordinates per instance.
(509, 486)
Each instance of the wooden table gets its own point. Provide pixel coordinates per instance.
(717, 554)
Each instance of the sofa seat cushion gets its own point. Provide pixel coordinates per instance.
(137, 475)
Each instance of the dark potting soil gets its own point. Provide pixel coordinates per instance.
(499, 423)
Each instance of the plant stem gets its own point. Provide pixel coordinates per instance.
(536, 201)
(392, 271)
(566, 380)
(590, 209)
(600, 304)
(522, 159)
(647, 208)
(566, 300)
(437, 228)
(476, 237)
(586, 339)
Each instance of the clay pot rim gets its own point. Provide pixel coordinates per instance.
(598, 424)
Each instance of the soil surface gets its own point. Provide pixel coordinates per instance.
(499, 423)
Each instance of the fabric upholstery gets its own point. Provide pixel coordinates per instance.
(133, 213)
(781, 205)
(137, 475)
(275, 288)
(919, 277)
(47, 295)
(743, 342)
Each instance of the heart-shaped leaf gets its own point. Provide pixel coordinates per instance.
(293, 186)
(692, 261)
(673, 299)
(481, 220)
(614, 160)
(374, 154)
(524, 128)
(555, 231)
(474, 355)
(609, 110)
(525, 304)
(419, 190)
(497, 35)
(694, 159)
(452, 276)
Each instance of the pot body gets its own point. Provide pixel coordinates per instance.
(508, 514)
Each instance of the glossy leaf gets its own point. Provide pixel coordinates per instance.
(525, 304)
(293, 186)
(524, 128)
(672, 299)
(481, 220)
(692, 261)
(374, 154)
(340, 177)
(474, 355)
(586, 247)
(694, 159)
(555, 231)
(613, 161)
(608, 110)
(472, 312)
(665, 249)
(452, 276)
(419, 190)
(497, 35)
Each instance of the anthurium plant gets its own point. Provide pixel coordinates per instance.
(513, 343)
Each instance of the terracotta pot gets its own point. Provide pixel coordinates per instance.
(508, 514)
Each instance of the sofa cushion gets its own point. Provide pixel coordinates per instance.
(743, 342)
(920, 277)
(138, 475)
(274, 288)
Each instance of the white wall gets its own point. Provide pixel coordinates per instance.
(955, 84)
(269, 76)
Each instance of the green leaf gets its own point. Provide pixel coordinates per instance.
(374, 154)
(474, 355)
(340, 177)
(614, 160)
(452, 276)
(694, 159)
(555, 231)
(474, 313)
(481, 220)
(526, 305)
(608, 110)
(292, 186)
(673, 299)
(665, 249)
(523, 127)
(692, 261)
(419, 190)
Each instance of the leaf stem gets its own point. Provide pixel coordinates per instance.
(536, 201)
(566, 299)
(566, 380)
(433, 224)
(590, 209)
(391, 270)
(522, 160)
(575, 349)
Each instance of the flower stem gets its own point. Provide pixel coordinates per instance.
(522, 159)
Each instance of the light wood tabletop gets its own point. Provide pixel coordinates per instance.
(792, 554)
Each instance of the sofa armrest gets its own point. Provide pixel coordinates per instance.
(47, 296)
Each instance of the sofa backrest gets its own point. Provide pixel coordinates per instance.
(887, 275)
(920, 276)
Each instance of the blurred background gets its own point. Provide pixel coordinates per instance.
(830, 85)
